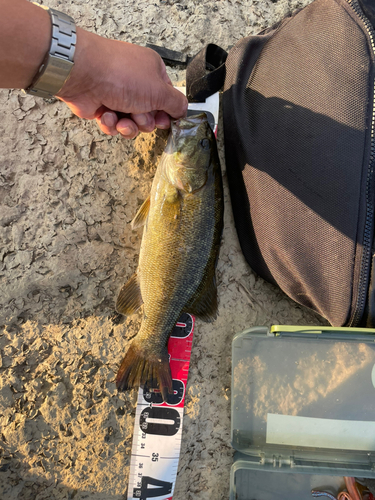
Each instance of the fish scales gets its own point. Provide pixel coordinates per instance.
(179, 250)
(175, 255)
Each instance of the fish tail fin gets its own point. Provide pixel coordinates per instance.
(139, 367)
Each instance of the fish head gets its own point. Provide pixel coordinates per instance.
(190, 148)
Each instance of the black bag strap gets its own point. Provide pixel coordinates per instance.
(170, 57)
(205, 73)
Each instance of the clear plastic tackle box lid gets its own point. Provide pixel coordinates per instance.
(303, 401)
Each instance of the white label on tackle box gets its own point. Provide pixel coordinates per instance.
(320, 432)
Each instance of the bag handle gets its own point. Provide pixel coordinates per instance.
(205, 73)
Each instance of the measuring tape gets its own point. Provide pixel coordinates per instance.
(158, 425)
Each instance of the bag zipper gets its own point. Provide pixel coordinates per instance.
(367, 238)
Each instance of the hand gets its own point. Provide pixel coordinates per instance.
(123, 86)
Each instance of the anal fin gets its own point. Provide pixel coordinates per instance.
(141, 216)
(129, 299)
(204, 305)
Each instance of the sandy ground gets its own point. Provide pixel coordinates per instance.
(67, 195)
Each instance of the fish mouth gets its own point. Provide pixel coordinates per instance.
(184, 128)
(190, 122)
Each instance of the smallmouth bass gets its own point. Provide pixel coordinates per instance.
(183, 223)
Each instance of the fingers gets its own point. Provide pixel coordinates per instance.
(147, 122)
(129, 126)
(110, 124)
(144, 121)
(162, 120)
(107, 122)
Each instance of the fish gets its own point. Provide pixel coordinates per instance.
(182, 223)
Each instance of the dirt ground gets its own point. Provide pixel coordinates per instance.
(67, 195)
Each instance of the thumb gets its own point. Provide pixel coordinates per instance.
(172, 101)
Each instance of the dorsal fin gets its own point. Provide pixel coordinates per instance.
(141, 216)
(204, 306)
(129, 299)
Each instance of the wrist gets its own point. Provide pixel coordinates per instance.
(86, 66)
(25, 35)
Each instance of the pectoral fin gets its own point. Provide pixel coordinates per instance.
(141, 216)
(130, 298)
(204, 306)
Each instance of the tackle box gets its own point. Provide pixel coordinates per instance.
(303, 410)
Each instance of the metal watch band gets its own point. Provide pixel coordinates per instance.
(59, 61)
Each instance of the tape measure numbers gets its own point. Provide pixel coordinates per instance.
(158, 425)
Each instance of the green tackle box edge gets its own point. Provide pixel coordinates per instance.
(306, 331)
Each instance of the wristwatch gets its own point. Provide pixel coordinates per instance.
(59, 60)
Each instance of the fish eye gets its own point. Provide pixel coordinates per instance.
(205, 143)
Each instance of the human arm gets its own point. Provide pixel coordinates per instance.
(113, 80)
